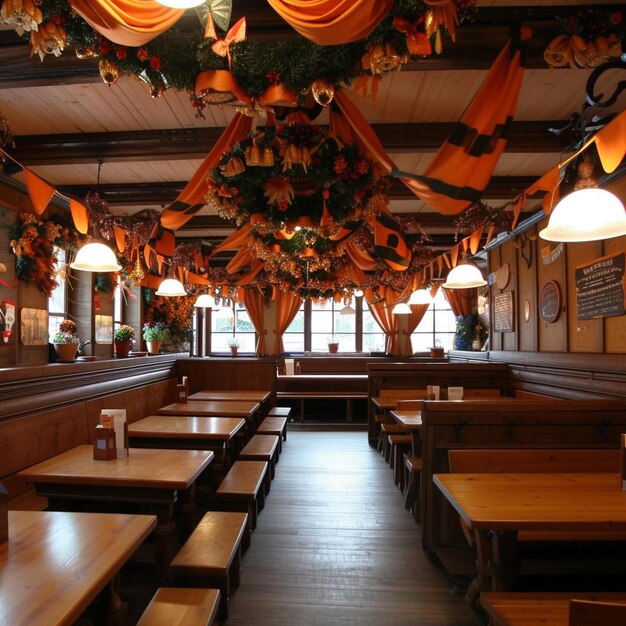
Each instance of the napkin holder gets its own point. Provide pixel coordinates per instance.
(104, 448)
(455, 393)
(4, 514)
(432, 392)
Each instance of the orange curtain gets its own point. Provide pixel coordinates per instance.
(127, 22)
(287, 307)
(381, 312)
(253, 299)
(462, 301)
(332, 22)
(417, 314)
(191, 198)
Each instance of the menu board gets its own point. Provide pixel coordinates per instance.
(503, 312)
(600, 287)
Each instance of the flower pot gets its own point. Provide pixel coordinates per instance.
(66, 351)
(122, 348)
(333, 347)
(436, 353)
(153, 346)
(233, 350)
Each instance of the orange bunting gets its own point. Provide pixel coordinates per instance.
(80, 215)
(39, 190)
(416, 41)
(475, 239)
(120, 238)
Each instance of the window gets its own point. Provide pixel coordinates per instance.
(374, 339)
(228, 322)
(326, 322)
(57, 302)
(118, 306)
(437, 326)
(293, 337)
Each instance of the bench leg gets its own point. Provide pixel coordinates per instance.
(301, 410)
(224, 594)
(349, 411)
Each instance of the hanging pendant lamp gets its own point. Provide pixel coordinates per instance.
(402, 308)
(464, 276)
(171, 288)
(421, 296)
(181, 4)
(95, 257)
(347, 310)
(204, 301)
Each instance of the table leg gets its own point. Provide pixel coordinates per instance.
(115, 610)
(482, 582)
(165, 538)
(504, 566)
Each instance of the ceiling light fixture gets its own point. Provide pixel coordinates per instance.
(464, 276)
(204, 301)
(347, 310)
(171, 288)
(402, 308)
(181, 4)
(421, 296)
(95, 257)
(587, 214)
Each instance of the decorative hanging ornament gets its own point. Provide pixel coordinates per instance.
(382, 58)
(136, 274)
(157, 83)
(23, 15)
(49, 38)
(109, 71)
(323, 91)
(87, 52)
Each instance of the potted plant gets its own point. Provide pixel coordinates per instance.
(154, 334)
(437, 351)
(123, 338)
(333, 343)
(233, 344)
(66, 345)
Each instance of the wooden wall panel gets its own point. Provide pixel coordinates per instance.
(527, 315)
(510, 340)
(615, 327)
(584, 335)
(8, 351)
(80, 306)
(552, 336)
(495, 261)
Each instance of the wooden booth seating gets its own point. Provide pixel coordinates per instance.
(279, 411)
(262, 448)
(243, 488)
(212, 554)
(399, 445)
(555, 609)
(28, 501)
(181, 606)
(274, 426)
(540, 461)
(412, 479)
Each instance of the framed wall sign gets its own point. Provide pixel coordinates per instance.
(503, 312)
(550, 301)
(34, 327)
(600, 288)
(104, 329)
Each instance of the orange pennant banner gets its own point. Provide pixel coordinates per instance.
(80, 215)
(39, 190)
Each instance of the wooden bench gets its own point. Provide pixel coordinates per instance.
(555, 609)
(274, 426)
(412, 479)
(540, 461)
(212, 553)
(181, 606)
(262, 448)
(243, 487)
(302, 396)
(28, 501)
(279, 411)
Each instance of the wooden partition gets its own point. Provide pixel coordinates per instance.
(420, 375)
(527, 423)
(333, 364)
(49, 409)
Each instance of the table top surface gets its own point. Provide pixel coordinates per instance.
(231, 395)
(410, 419)
(186, 426)
(144, 467)
(211, 408)
(55, 564)
(389, 402)
(322, 376)
(564, 501)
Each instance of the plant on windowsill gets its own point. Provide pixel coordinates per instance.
(123, 338)
(66, 345)
(333, 343)
(154, 334)
(233, 344)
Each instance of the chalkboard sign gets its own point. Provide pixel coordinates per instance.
(503, 312)
(550, 301)
(600, 288)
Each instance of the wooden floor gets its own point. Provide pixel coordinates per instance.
(335, 546)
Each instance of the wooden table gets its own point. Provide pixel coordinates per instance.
(497, 506)
(156, 480)
(232, 395)
(189, 433)
(412, 421)
(55, 564)
(213, 408)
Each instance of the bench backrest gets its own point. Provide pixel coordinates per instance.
(494, 461)
(409, 405)
(409, 394)
(481, 393)
(591, 613)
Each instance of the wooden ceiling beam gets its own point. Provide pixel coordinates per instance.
(195, 143)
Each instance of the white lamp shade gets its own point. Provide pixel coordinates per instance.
(402, 308)
(204, 301)
(464, 276)
(170, 287)
(421, 296)
(96, 257)
(358, 293)
(587, 214)
(180, 4)
(347, 310)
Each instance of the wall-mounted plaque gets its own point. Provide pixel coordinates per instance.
(34, 327)
(502, 275)
(550, 301)
(503, 312)
(104, 329)
(600, 287)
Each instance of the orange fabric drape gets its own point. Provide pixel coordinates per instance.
(191, 198)
(417, 314)
(255, 306)
(287, 306)
(127, 22)
(332, 22)
(462, 301)
(382, 313)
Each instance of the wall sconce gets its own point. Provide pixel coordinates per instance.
(464, 276)
(587, 214)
